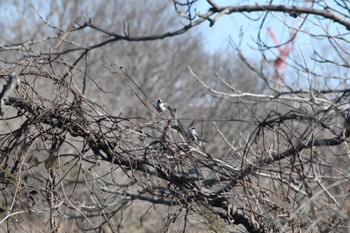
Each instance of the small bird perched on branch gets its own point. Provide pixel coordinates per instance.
(192, 134)
(347, 125)
(161, 106)
(11, 84)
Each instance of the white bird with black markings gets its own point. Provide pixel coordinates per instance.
(161, 106)
(192, 134)
(346, 125)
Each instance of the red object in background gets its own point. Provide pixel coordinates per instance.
(284, 52)
(280, 61)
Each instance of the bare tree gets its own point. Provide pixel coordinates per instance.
(84, 149)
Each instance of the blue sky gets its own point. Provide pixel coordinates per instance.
(229, 26)
(218, 36)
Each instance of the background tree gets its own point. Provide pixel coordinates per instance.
(84, 149)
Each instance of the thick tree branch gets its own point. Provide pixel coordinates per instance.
(325, 13)
(215, 12)
(251, 168)
(101, 145)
